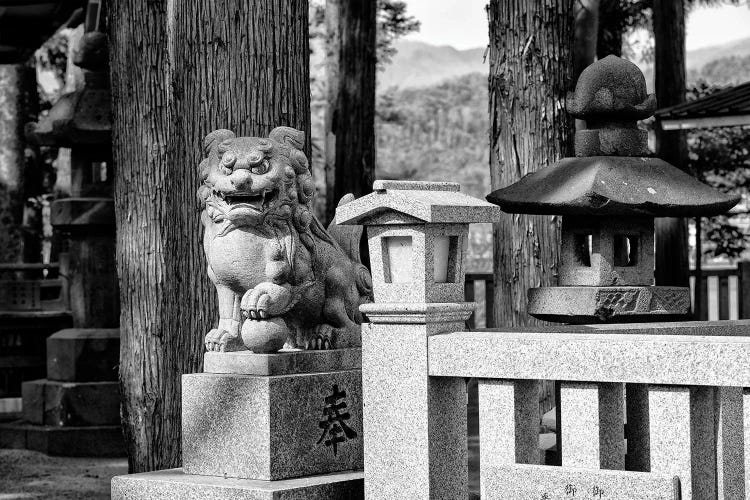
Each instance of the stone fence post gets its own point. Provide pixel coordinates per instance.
(415, 441)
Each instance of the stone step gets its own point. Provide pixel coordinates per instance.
(83, 355)
(49, 402)
(93, 441)
(174, 483)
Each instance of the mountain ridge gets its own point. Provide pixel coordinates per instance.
(420, 64)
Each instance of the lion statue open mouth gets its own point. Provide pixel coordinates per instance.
(281, 278)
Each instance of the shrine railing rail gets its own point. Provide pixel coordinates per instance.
(679, 387)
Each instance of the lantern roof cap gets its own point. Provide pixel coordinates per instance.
(612, 185)
(403, 202)
(614, 88)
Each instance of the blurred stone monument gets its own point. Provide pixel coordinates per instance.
(277, 412)
(75, 410)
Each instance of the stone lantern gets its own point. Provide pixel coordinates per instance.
(81, 121)
(417, 234)
(608, 196)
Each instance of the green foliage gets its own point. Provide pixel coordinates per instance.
(724, 71)
(721, 157)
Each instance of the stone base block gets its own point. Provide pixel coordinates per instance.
(271, 428)
(95, 441)
(613, 304)
(174, 484)
(283, 362)
(47, 402)
(84, 355)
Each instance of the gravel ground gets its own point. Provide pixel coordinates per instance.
(31, 475)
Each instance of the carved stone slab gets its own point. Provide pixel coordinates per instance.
(582, 304)
(283, 362)
(271, 428)
(174, 483)
(540, 482)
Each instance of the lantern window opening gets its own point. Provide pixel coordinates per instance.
(446, 258)
(397, 259)
(583, 248)
(625, 250)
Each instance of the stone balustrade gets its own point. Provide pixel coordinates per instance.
(689, 431)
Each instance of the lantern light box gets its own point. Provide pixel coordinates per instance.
(418, 235)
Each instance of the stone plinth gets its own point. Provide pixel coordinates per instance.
(74, 441)
(271, 427)
(282, 363)
(49, 402)
(83, 354)
(175, 484)
(597, 304)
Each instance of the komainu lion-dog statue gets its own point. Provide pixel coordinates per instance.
(282, 279)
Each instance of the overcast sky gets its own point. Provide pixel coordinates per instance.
(463, 23)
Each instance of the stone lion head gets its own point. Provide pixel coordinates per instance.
(251, 180)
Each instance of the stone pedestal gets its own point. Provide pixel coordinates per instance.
(261, 426)
(75, 411)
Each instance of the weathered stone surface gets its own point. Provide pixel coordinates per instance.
(175, 484)
(731, 467)
(612, 185)
(48, 402)
(538, 353)
(590, 304)
(682, 437)
(534, 482)
(287, 362)
(74, 441)
(621, 251)
(410, 202)
(271, 428)
(411, 419)
(268, 256)
(508, 422)
(592, 424)
(83, 355)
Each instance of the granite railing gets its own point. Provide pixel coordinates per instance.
(681, 388)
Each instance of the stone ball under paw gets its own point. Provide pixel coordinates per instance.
(263, 336)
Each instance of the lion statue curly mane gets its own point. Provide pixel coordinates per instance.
(281, 278)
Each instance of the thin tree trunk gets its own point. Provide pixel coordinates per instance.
(333, 44)
(610, 30)
(672, 266)
(354, 116)
(586, 14)
(16, 106)
(181, 70)
(531, 60)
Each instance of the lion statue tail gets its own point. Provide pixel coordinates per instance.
(349, 238)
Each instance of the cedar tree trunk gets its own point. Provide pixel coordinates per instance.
(354, 116)
(179, 71)
(531, 61)
(672, 266)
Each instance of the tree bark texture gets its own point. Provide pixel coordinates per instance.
(333, 44)
(354, 116)
(15, 102)
(531, 61)
(179, 71)
(586, 14)
(672, 266)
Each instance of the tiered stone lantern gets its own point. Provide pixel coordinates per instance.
(417, 234)
(608, 196)
(75, 410)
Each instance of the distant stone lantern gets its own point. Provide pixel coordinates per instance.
(417, 234)
(81, 121)
(609, 195)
